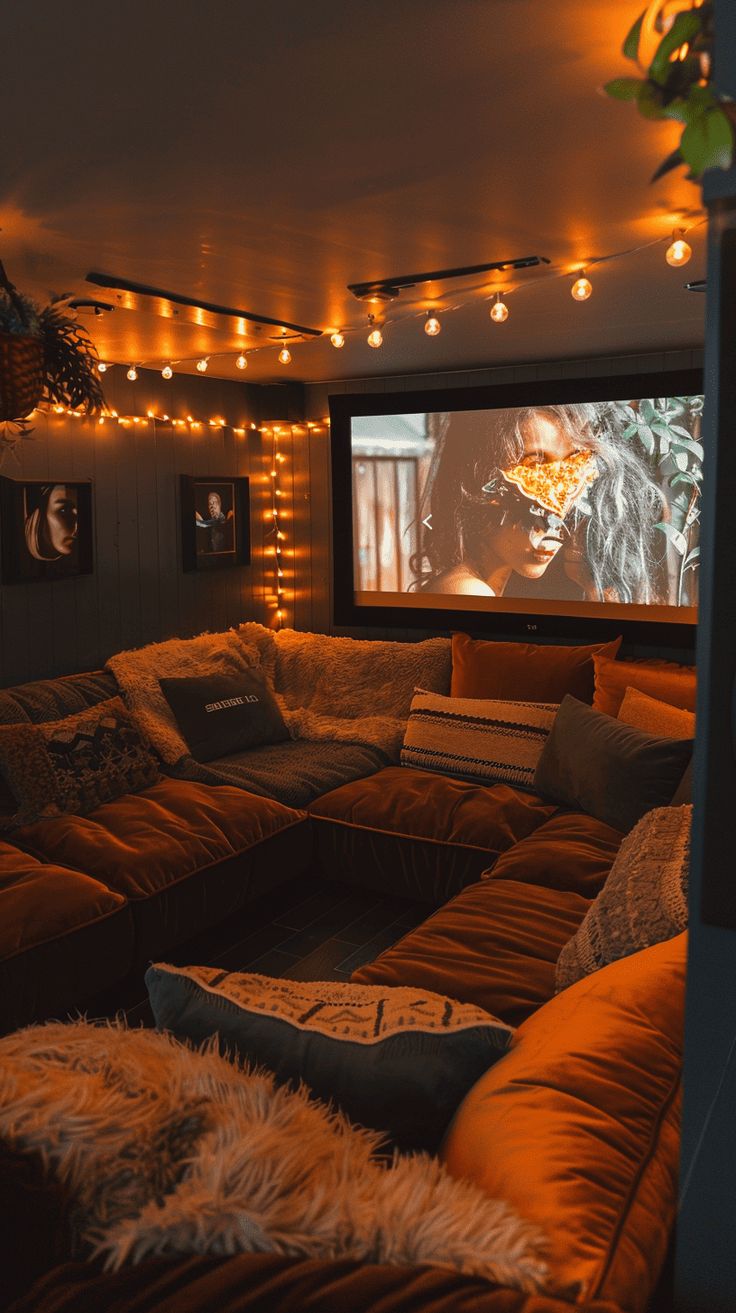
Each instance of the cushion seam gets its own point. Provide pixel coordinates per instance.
(401, 834)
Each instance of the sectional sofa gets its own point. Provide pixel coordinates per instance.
(577, 1126)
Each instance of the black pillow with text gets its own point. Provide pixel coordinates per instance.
(222, 714)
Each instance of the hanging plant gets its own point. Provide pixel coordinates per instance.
(675, 53)
(44, 354)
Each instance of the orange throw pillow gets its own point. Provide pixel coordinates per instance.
(654, 717)
(660, 679)
(524, 672)
(577, 1126)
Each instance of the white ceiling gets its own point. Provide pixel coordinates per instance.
(264, 155)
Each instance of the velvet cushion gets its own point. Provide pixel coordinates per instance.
(665, 680)
(74, 764)
(593, 762)
(495, 945)
(570, 851)
(527, 672)
(580, 1122)
(655, 717)
(413, 832)
(398, 1060)
(220, 714)
(479, 739)
(643, 901)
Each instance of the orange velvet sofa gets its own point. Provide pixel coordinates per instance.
(576, 1126)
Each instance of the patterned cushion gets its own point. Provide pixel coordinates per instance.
(644, 899)
(75, 764)
(477, 738)
(399, 1060)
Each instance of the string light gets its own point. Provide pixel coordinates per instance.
(432, 325)
(202, 364)
(102, 367)
(679, 251)
(167, 372)
(499, 311)
(581, 288)
(338, 340)
(285, 356)
(375, 337)
(132, 374)
(242, 361)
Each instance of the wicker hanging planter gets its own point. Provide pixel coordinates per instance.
(43, 354)
(21, 375)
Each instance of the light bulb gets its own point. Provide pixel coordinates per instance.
(167, 372)
(132, 374)
(679, 251)
(432, 326)
(337, 339)
(285, 356)
(375, 338)
(581, 289)
(102, 367)
(499, 311)
(202, 365)
(242, 361)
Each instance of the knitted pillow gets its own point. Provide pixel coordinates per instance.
(75, 764)
(644, 899)
(477, 738)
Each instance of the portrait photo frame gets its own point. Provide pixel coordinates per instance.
(46, 529)
(215, 521)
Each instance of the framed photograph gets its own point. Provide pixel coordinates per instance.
(560, 508)
(46, 530)
(215, 522)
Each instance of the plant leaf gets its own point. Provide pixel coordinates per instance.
(678, 540)
(650, 101)
(707, 142)
(623, 88)
(685, 27)
(630, 47)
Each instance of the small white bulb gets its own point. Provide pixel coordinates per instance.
(202, 365)
(167, 372)
(242, 361)
(499, 311)
(132, 374)
(581, 289)
(338, 340)
(375, 338)
(285, 356)
(102, 367)
(432, 326)
(679, 251)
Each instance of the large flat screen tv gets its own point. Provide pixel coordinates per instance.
(553, 508)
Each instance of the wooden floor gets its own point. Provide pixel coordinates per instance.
(308, 929)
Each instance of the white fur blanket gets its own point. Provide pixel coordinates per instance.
(168, 1150)
(138, 673)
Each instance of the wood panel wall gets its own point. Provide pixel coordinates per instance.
(138, 592)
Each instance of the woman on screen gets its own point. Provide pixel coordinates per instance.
(509, 492)
(51, 521)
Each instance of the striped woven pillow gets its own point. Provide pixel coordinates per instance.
(478, 739)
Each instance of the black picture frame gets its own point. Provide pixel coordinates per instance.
(46, 529)
(214, 537)
(640, 628)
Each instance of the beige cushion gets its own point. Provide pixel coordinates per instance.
(655, 717)
(644, 899)
(481, 739)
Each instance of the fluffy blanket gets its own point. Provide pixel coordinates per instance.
(348, 690)
(168, 1150)
(138, 673)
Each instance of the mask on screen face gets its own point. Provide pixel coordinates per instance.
(546, 492)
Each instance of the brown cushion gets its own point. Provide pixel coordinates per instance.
(655, 717)
(578, 1124)
(570, 851)
(495, 945)
(417, 833)
(148, 845)
(63, 937)
(665, 680)
(526, 671)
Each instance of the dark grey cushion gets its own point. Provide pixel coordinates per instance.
(606, 768)
(222, 714)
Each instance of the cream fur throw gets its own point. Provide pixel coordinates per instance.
(351, 690)
(138, 672)
(169, 1150)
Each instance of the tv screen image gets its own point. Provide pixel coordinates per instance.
(585, 508)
